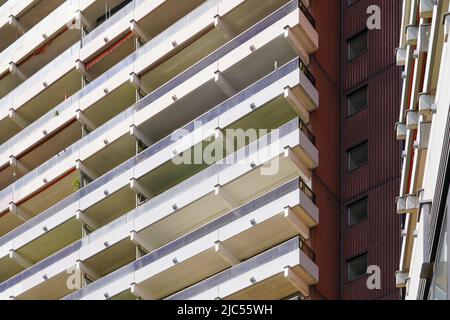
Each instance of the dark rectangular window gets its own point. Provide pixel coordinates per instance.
(357, 211)
(357, 100)
(357, 267)
(357, 45)
(358, 156)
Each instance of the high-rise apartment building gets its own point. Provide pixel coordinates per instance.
(424, 125)
(166, 149)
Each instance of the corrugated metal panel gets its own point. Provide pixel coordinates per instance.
(381, 43)
(379, 235)
(325, 238)
(376, 125)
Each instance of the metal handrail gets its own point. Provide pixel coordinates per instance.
(302, 126)
(307, 190)
(307, 250)
(307, 13)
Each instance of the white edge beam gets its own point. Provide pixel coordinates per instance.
(85, 121)
(85, 170)
(83, 21)
(138, 292)
(301, 227)
(14, 69)
(20, 213)
(297, 163)
(227, 141)
(226, 254)
(139, 135)
(138, 31)
(296, 45)
(224, 27)
(138, 187)
(81, 68)
(140, 242)
(87, 220)
(296, 281)
(14, 162)
(19, 259)
(138, 84)
(13, 22)
(18, 119)
(226, 197)
(224, 85)
(296, 104)
(82, 267)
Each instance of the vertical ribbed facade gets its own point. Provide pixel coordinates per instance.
(378, 180)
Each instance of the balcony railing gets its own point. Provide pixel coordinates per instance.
(64, 11)
(255, 262)
(307, 190)
(68, 57)
(307, 13)
(307, 250)
(307, 73)
(307, 132)
(142, 103)
(98, 82)
(154, 149)
(191, 237)
(240, 212)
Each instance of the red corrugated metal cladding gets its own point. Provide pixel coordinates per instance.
(379, 235)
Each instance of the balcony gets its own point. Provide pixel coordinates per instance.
(46, 130)
(52, 84)
(267, 99)
(198, 201)
(18, 16)
(160, 274)
(277, 273)
(39, 45)
(150, 120)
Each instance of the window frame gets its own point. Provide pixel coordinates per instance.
(353, 37)
(363, 198)
(362, 87)
(359, 145)
(364, 254)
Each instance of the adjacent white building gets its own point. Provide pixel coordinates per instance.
(424, 125)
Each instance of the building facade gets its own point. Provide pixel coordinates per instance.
(424, 127)
(371, 89)
(218, 149)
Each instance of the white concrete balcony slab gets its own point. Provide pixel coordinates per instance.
(91, 57)
(400, 205)
(400, 131)
(115, 131)
(61, 73)
(304, 36)
(41, 91)
(49, 26)
(426, 8)
(13, 8)
(412, 33)
(400, 56)
(279, 213)
(19, 16)
(94, 93)
(229, 112)
(240, 180)
(277, 273)
(423, 40)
